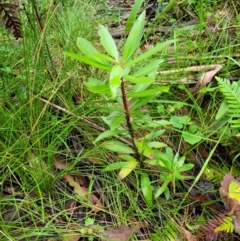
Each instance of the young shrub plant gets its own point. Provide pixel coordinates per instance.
(129, 87)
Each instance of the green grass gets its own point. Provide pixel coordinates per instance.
(36, 203)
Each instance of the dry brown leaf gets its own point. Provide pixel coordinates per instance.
(237, 221)
(121, 233)
(82, 191)
(188, 235)
(230, 204)
(60, 163)
(206, 77)
(71, 236)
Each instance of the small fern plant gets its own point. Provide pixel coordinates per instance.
(231, 103)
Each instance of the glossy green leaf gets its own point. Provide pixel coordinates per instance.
(114, 166)
(127, 168)
(223, 109)
(127, 158)
(90, 51)
(96, 86)
(114, 119)
(104, 57)
(146, 188)
(186, 167)
(159, 123)
(150, 52)
(154, 134)
(163, 159)
(134, 38)
(180, 121)
(107, 134)
(149, 68)
(138, 80)
(100, 89)
(148, 92)
(132, 16)
(192, 138)
(141, 102)
(161, 190)
(89, 61)
(108, 42)
(117, 146)
(115, 79)
(156, 144)
(144, 149)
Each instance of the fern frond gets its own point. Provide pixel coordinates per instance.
(10, 19)
(226, 226)
(231, 92)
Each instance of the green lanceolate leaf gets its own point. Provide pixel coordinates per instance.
(223, 109)
(106, 134)
(114, 166)
(148, 92)
(144, 149)
(91, 52)
(139, 80)
(114, 119)
(108, 42)
(134, 38)
(128, 168)
(146, 189)
(115, 79)
(96, 86)
(117, 146)
(150, 52)
(161, 190)
(89, 61)
(149, 68)
(132, 15)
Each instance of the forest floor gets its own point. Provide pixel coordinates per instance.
(54, 183)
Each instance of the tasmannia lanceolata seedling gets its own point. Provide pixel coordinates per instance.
(129, 87)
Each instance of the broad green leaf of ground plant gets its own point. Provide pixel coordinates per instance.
(234, 191)
(149, 92)
(91, 52)
(150, 52)
(180, 121)
(115, 79)
(128, 167)
(108, 42)
(146, 188)
(89, 61)
(134, 38)
(192, 136)
(132, 16)
(117, 146)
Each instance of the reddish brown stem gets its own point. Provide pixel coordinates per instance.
(128, 120)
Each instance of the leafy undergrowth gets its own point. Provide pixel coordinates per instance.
(56, 183)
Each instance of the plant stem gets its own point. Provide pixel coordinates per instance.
(128, 121)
